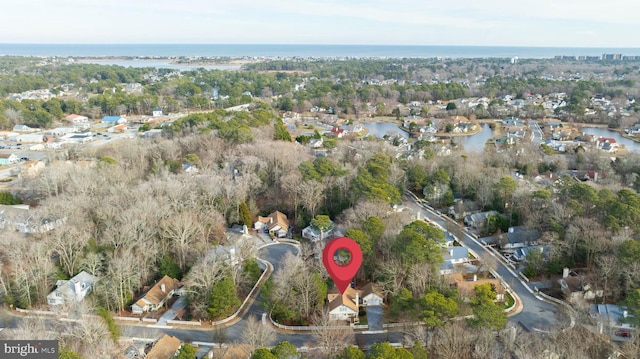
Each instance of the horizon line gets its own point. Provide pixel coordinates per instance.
(302, 44)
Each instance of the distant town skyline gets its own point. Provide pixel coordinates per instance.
(546, 23)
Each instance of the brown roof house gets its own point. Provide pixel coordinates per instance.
(156, 296)
(370, 296)
(345, 306)
(165, 348)
(276, 224)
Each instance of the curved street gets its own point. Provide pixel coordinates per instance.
(536, 314)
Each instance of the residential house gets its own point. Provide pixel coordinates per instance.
(316, 142)
(19, 218)
(370, 296)
(77, 119)
(519, 236)
(31, 138)
(77, 138)
(519, 133)
(113, 120)
(452, 256)
(338, 132)
(449, 239)
(165, 348)
(576, 287)
(156, 296)
(72, 290)
(611, 319)
(343, 306)
(314, 234)
(512, 122)
(7, 159)
(610, 143)
(477, 220)
(276, 224)
(61, 131)
(635, 130)
(23, 128)
(429, 129)
(117, 128)
(156, 112)
(354, 128)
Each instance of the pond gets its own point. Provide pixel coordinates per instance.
(380, 129)
(604, 132)
(475, 143)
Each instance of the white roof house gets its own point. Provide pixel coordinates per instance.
(73, 290)
(75, 119)
(31, 138)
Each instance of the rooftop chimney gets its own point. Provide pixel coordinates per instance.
(565, 272)
(163, 288)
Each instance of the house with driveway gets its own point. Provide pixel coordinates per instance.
(613, 320)
(276, 224)
(518, 237)
(477, 220)
(156, 296)
(345, 307)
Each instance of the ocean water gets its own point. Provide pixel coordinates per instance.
(316, 51)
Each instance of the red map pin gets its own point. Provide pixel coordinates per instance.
(342, 258)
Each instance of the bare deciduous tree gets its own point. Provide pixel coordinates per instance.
(332, 336)
(257, 334)
(311, 193)
(200, 280)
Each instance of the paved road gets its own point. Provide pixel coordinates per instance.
(233, 333)
(537, 131)
(536, 313)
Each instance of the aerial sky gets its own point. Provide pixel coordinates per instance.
(570, 23)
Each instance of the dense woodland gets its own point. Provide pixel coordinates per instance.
(133, 214)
